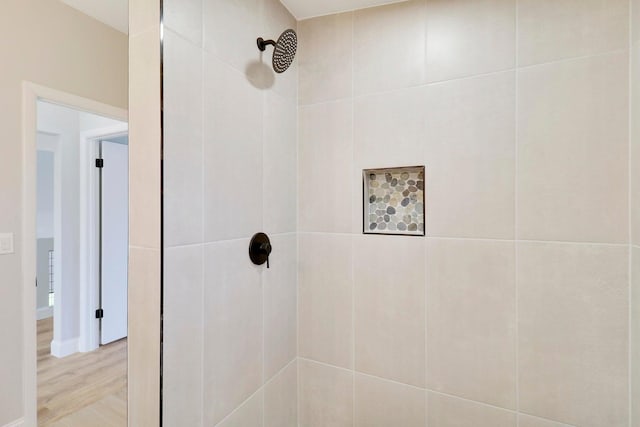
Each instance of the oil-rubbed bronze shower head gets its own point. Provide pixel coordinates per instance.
(284, 50)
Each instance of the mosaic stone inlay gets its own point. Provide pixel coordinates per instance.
(394, 201)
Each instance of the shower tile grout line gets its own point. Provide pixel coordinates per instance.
(516, 224)
(176, 33)
(559, 423)
(469, 77)
(263, 142)
(202, 217)
(453, 396)
(425, 254)
(554, 242)
(630, 222)
(427, 390)
(226, 63)
(213, 242)
(297, 101)
(259, 390)
(298, 377)
(353, 239)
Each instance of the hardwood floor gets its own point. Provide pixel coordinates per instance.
(84, 389)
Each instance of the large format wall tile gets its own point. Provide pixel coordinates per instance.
(185, 18)
(280, 304)
(635, 20)
(470, 157)
(326, 395)
(281, 398)
(469, 37)
(280, 161)
(572, 150)
(380, 403)
(325, 298)
(573, 333)
(230, 31)
(182, 336)
(529, 421)
(250, 413)
(389, 299)
(635, 142)
(556, 29)
(635, 336)
(389, 47)
(325, 162)
(233, 353)
(232, 153)
(182, 141)
(325, 58)
(389, 129)
(449, 411)
(471, 325)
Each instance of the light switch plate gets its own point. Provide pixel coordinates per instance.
(6, 243)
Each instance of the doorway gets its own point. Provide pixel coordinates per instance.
(114, 233)
(82, 239)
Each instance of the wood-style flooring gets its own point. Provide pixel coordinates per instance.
(84, 389)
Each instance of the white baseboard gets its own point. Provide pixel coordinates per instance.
(64, 348)
(16, 423)
(44, 313)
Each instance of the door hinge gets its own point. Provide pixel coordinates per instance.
(99, 163)
(99, 313)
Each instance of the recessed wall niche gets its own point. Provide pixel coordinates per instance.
(394, 201)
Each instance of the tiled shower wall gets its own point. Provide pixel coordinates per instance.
(519, 111)
(514, 311)
(230, 171)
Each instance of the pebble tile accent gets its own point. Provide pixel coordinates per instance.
(394, 201)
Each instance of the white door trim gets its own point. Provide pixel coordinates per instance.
(30, 94)
(90, 233)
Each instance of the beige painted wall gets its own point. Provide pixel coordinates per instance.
(50, 44)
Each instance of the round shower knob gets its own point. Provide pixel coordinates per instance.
(260, 249)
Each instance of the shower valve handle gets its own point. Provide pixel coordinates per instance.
(260, 249)
(265, 248)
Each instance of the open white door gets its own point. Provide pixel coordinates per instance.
(114, 241)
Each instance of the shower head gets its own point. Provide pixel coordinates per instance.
(284, 50)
